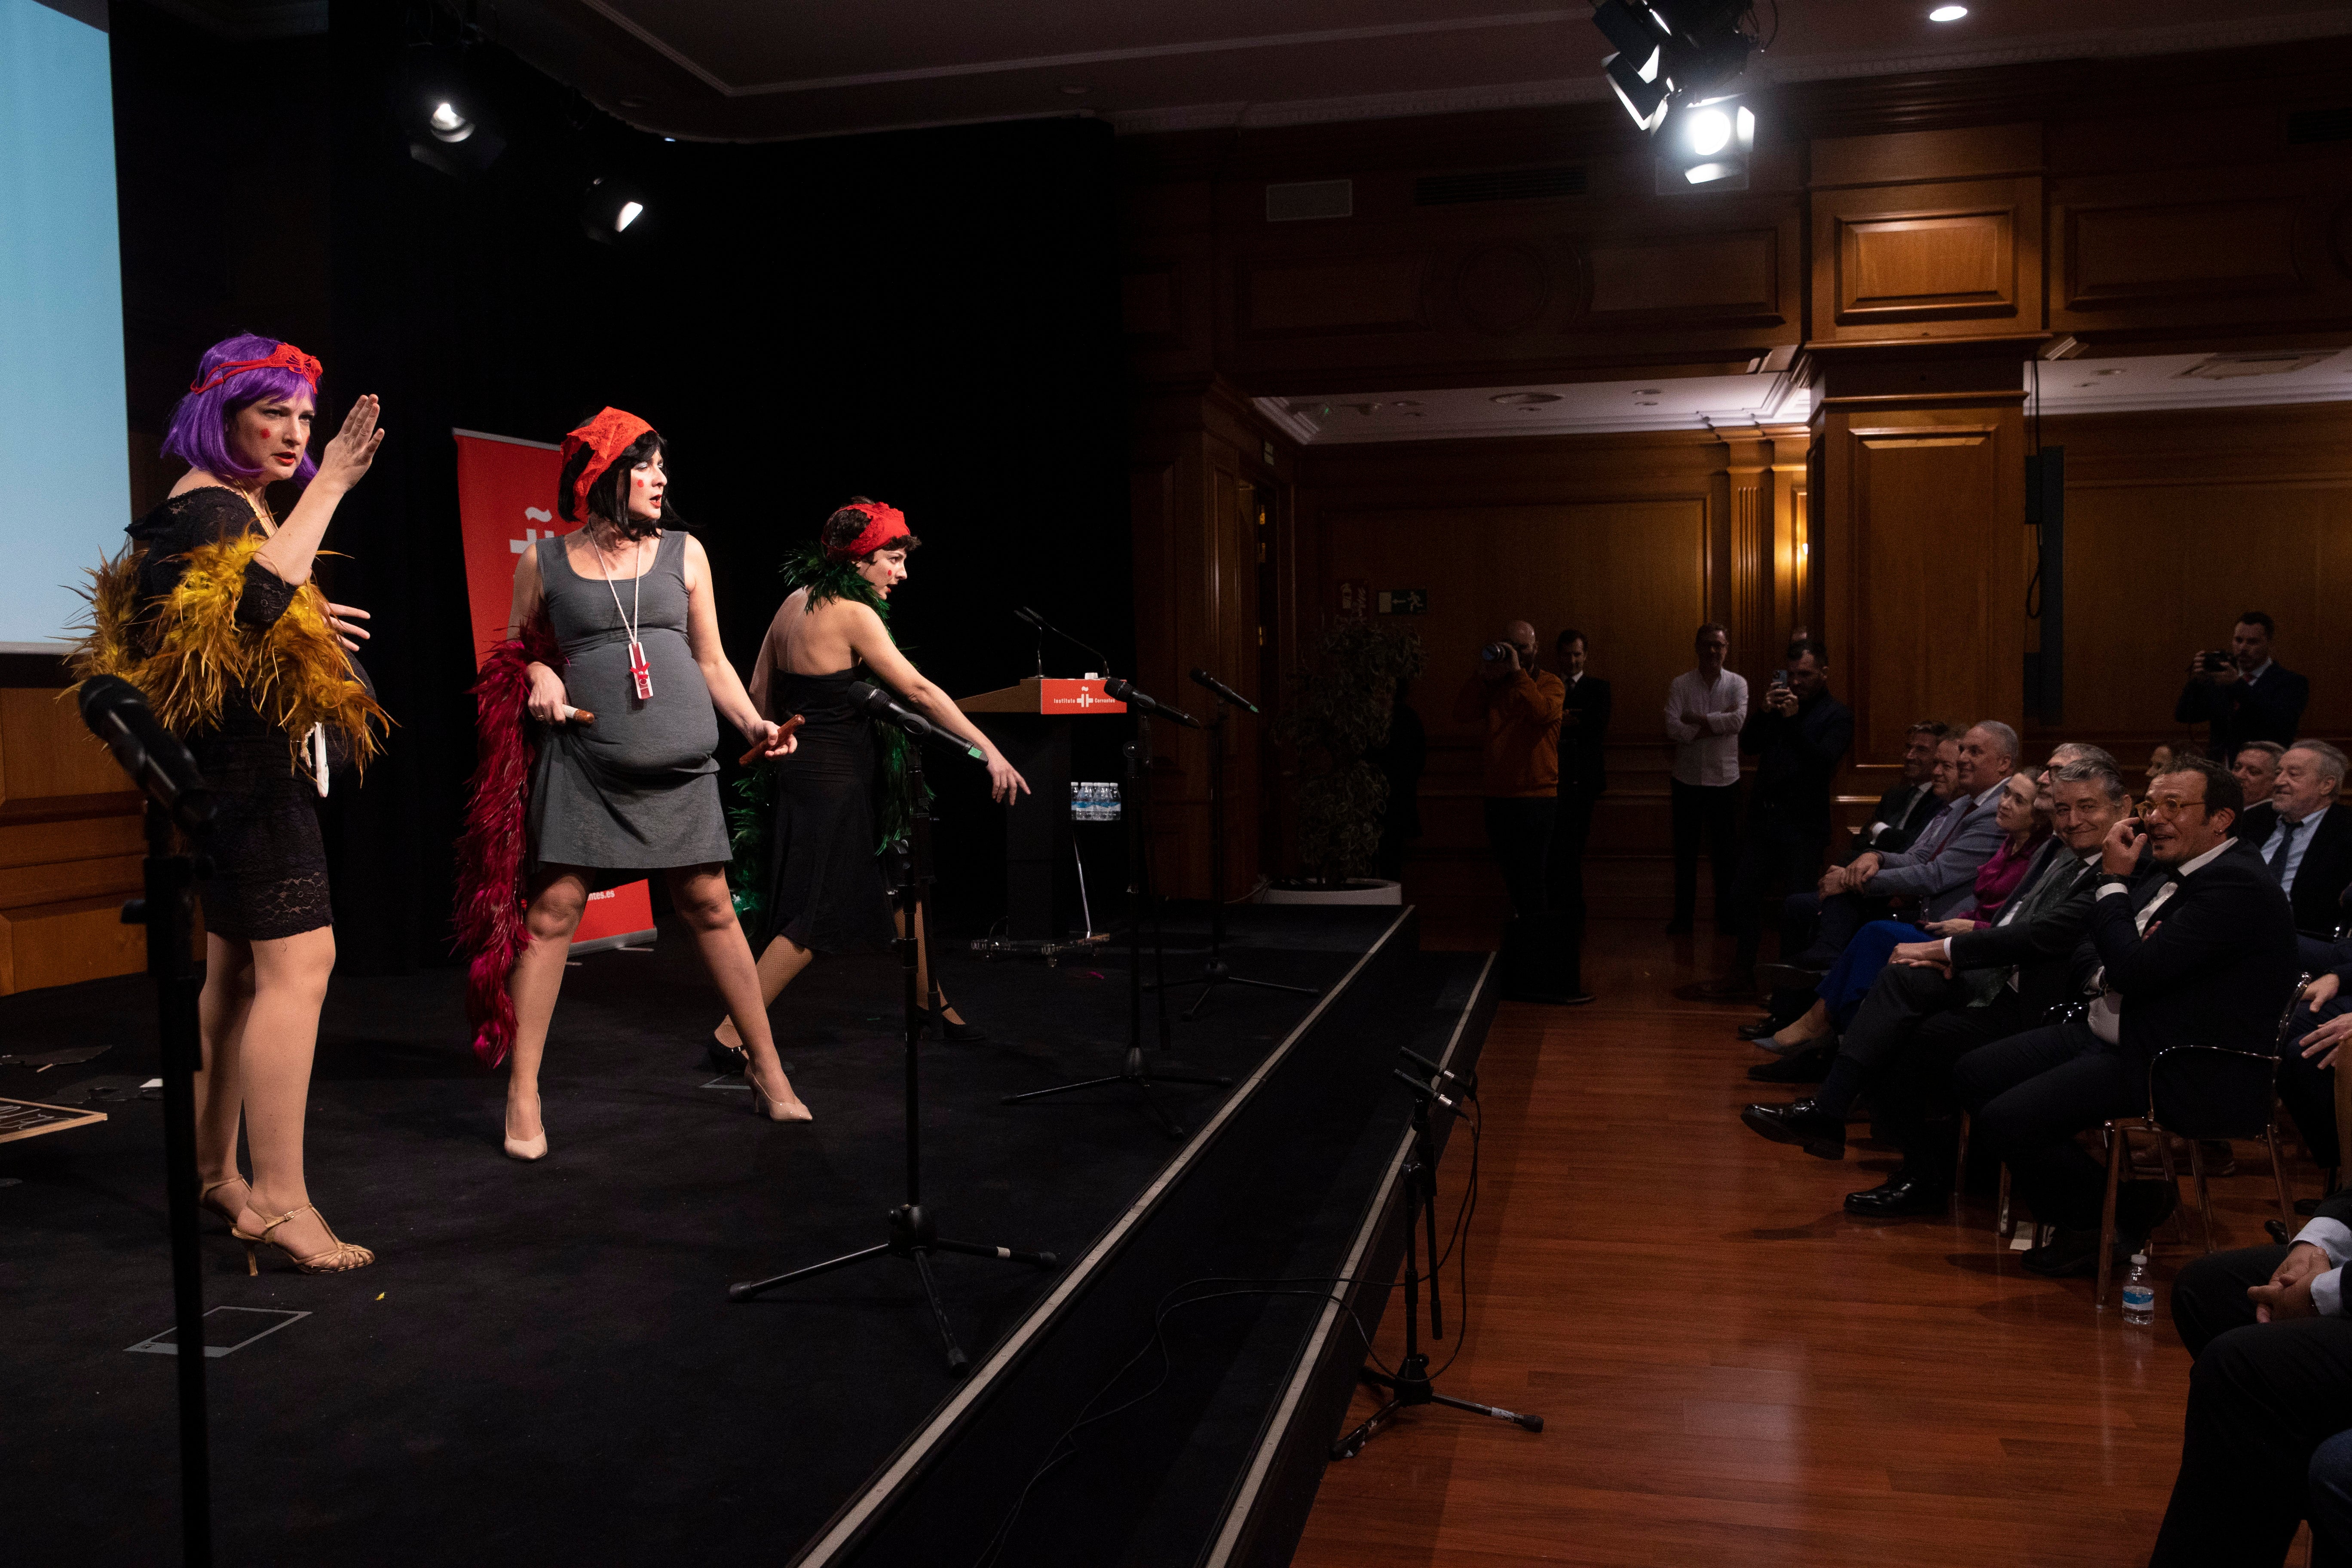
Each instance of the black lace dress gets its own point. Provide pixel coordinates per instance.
(269, 863)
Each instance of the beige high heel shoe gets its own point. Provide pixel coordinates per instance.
(226, 1211)
(775, 1110)
(338, 1257)
(529, 1148)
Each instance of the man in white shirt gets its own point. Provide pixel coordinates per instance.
(1704, 710)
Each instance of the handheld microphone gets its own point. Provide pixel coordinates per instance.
(1438, 1074)
(1124, 691)
(879, 703)
(1225, 692)
(157, 761)
(1425, 1090)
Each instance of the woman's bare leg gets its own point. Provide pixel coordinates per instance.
(700, 895)
(272, 1058)
(923, 960)
(558, 895)
(221, 1012)
(779, 966)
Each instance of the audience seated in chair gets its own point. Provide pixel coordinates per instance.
(1940, 999)
(2198, 950)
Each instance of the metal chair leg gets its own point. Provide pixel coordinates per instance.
(2204, 1194)
(2119, 1156)
(2004, 1224)
(2177, 1220)
(2278, 1175)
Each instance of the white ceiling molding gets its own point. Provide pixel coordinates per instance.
(614, 14)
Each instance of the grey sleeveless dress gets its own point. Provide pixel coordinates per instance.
(638, 789)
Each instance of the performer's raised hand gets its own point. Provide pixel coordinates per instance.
(345, 461)
(345, 619)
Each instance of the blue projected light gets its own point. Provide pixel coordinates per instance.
(61, 394)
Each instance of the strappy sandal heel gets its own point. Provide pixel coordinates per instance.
(338, 1257)
(229, 1212)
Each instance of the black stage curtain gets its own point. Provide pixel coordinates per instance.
(929, 317)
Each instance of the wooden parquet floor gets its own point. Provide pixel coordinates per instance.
(1731, 1369)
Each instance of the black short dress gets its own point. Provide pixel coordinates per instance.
(268, 861)
(823, 880)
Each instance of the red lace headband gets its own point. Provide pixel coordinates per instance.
(884, 525)
(607, 436)
(285, 356)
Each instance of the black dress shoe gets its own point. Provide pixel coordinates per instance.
(1799, 1067)
(1761, 1028)
(1803, 1123)
(1898, 1195)
(963, 1034)
(2071, 1254)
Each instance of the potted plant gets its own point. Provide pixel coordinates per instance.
(1337, 714)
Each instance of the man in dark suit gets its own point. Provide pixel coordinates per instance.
(1935, 1001)
(2306, 845)
(1797, 735)
(2273, 1380)
(1582, 779)
(1912, 803)
(2202, 953)
(2245, 696)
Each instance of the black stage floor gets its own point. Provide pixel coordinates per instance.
(543, 1366)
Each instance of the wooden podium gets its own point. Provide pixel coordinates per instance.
(1031, 725)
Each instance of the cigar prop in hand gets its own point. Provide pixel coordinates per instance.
(568, 714)
(783, 730)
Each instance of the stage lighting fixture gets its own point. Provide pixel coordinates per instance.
(1948, 13)
(1673, 52)
(446, 124)
(611, 210)
(442, 114)
(1710, 141)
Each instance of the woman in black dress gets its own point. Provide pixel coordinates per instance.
(822, 884)
(212, 614)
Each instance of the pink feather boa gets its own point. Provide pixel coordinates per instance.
(492, 852)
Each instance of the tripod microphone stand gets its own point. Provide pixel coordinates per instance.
(1136, 1070)
(176, 797)
(912, 1234)
(1412, 1385)
(1214, 970)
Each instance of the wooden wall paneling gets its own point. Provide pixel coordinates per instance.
(2147, 251)
(2176, 522)
(1922, 525)
(1747, 526)
(1942, 260)
(70, 848)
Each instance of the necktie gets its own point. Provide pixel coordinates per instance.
(2277, 861)
(1957, 823)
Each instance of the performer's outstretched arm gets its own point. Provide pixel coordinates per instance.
(870, 640)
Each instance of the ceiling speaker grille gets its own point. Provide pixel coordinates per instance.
(1303, 199)
(1496, 185)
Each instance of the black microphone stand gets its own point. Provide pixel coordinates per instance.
(912, 1234)
(1214, 970)
(1412, 1385)
(1136, 1070)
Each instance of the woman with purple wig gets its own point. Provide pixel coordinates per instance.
(212, 614)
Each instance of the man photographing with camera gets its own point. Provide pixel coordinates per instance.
(1518, 709)
(2242, 692)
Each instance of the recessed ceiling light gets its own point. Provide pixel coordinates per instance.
(2111, 372)
(1408, 402)
(1647, 391)
(1519, 399)
(1948, 13)
(1646, 403)
(1077, 90)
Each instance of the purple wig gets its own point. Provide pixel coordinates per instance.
(199, 430)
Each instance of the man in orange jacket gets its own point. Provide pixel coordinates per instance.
(1519, 707)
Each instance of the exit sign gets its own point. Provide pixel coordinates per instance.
(1405, 601)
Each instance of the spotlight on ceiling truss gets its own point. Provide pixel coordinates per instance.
(1672, 54)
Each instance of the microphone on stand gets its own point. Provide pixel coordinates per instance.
(156, 760)
(882, 706)
(1126, 691)
(1224, 691)
(1102, 659)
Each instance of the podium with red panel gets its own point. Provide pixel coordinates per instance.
(1033, 724)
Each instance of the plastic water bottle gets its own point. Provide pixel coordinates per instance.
(2139, 1296)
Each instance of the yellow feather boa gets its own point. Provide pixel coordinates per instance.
(295, 673)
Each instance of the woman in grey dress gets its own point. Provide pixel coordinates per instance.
(624, 782)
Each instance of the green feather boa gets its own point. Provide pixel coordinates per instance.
(748, 820)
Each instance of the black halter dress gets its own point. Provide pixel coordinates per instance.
(825, 887)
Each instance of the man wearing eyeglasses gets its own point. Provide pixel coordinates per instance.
(2198, 951)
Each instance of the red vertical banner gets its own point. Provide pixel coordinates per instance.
(506, 503)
